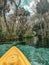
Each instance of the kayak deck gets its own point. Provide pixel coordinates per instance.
(14, 57)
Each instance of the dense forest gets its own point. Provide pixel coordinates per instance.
(23, 19)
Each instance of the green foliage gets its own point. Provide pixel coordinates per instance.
(37, 29)
(28, 33)
(0, 31)
(42, 6)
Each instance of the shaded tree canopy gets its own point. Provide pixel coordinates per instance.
(2, 4)
(42, 6)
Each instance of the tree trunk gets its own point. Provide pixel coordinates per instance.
(5, 20)
(45, 28)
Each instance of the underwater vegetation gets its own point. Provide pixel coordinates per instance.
(36, 56)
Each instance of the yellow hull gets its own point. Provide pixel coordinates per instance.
(14, 57)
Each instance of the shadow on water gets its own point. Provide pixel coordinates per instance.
(27, 41)
(30, 41)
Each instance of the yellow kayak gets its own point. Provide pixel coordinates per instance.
(14, 57)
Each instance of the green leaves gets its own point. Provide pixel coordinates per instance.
(42, 6)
